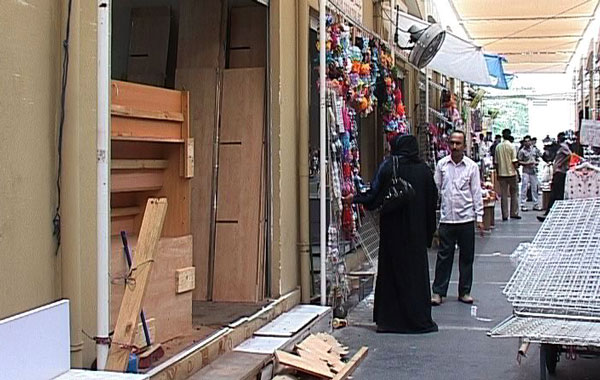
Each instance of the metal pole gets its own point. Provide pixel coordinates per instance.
(322, 147)
(103, 176)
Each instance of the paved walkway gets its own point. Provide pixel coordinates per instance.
(461, 349)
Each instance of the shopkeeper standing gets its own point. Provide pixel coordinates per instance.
(559, 175)
(458, 182)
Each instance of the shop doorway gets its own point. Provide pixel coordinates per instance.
(189, 122)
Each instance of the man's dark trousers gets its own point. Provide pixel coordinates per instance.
(557, 189)
(462, 234)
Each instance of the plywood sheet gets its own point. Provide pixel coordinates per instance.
(240, 184)
(235, 263)
(201, 84)
(199, 34)
(149, 45)
(172, 312)
(248, 37)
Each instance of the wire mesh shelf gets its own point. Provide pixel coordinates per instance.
(549, 330)
(560, 272)
(368, 235)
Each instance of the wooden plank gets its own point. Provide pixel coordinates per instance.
(188, 171)
(171, 311)
(126, 181)
(130, 138)
(234, 365)
(124, 211)
(304, 365)
(140, 338)
(143, 257)
(203, 354)
(149, 45)
(117, 164)
(145, 98)
(352, 364)
(118, 110)
(145, 128)
(201, 83)
(188, 149)
(185, 279)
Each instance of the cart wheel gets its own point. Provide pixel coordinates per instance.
(552, 355)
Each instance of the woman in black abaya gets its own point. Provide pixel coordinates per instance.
(402, 292)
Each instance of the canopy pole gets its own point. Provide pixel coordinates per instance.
(322, 149)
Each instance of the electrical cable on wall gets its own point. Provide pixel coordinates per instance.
(63, 92)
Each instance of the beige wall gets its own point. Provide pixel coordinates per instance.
(284, 127)
(29, 78)
(30, 74)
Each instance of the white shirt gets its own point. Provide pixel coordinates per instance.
(460, 190)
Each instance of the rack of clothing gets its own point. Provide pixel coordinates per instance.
(583, 181)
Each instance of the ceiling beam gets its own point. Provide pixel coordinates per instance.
(578, 37)
(476, 19)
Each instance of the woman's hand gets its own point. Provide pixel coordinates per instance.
(348, 198)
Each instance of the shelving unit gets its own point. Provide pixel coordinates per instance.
(152, 156)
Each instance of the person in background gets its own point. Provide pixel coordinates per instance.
(497, 141)
(577, 148)
(402, 295)
(538, 155)
(559, 173)
(527, 160)
(506, 166)
(484, 146)
(458, 181)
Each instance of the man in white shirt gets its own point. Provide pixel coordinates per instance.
(459, 185)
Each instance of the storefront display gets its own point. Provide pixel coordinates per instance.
(361, 80)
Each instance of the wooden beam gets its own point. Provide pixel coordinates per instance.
(118, 110)
(131, 305)
(352, 364)
(138, 164)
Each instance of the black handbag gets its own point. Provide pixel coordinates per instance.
(399, 192)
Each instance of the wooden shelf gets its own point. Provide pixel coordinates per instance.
(118, 110)
(124, 211)
(138, 164)
(122, 182)
(147, 139)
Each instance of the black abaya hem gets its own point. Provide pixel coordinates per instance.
(386, 330)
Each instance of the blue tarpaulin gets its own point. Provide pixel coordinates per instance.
(494, 65)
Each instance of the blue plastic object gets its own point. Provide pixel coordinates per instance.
(132, 366)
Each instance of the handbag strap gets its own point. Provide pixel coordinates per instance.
(394, 162)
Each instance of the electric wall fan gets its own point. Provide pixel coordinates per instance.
(426, 42)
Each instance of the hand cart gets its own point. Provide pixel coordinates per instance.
(555, 290)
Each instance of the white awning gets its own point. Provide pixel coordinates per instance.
(457, 58)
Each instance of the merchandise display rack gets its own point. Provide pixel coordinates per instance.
(555, 290)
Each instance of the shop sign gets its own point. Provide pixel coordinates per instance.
(352, 8)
